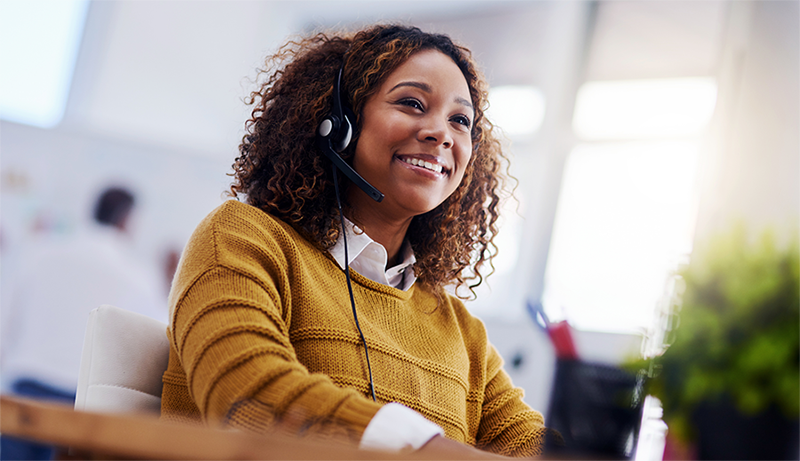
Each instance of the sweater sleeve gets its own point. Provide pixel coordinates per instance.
(508, 425)
(230, 327)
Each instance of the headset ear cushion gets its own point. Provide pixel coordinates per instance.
(345, 130)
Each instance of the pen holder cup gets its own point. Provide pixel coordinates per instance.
(595, 411)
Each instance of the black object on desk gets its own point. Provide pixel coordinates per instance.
(596, 409)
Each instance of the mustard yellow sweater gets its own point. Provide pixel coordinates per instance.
(262, 337)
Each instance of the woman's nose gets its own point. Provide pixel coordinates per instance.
(435, 131)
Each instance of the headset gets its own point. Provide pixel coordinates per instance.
(333, 136)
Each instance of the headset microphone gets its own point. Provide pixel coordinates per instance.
(337, 128)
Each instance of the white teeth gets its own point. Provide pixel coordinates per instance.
(424, 164)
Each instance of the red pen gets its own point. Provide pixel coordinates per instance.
(560, 332)
(561, 337)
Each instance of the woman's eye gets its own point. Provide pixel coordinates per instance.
(462, 120)
(411, 103)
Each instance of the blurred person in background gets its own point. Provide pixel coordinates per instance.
(45, 314)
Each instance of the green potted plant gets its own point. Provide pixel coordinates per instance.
(731, 373)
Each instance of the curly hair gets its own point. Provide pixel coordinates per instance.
(281, 170)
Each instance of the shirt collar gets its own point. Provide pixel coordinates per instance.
(368, 258)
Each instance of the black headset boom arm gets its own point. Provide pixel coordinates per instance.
(327, 148)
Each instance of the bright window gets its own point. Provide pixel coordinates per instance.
(39, 41)
(644, 109)
(625, 216)
(626, 210)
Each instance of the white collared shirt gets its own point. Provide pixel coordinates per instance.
(394, 427)
(368, 258)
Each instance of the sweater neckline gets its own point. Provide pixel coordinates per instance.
(365, 282)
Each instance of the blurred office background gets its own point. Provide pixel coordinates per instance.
(637, 130)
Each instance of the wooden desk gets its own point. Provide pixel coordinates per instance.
(99, 435)
(144, 436)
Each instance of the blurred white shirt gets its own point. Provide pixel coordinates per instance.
(45, 314)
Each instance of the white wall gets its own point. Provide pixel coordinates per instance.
(752, 172)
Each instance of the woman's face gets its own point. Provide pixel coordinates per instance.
(415, 137)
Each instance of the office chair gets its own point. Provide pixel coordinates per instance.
(124, 355)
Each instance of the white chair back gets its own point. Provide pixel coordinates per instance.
(124, 356)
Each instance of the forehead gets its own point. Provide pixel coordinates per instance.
(433, 68)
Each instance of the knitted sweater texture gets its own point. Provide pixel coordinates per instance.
(263, 338)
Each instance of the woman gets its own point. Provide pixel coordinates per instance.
(264, 333)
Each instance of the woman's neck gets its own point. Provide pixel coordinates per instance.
(389, 233)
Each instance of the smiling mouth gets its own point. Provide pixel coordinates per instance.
(423, 164)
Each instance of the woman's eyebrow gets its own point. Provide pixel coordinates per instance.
(464, 102)
(422, 86)
(427, 88)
